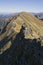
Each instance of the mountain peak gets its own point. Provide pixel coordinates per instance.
(34, 27)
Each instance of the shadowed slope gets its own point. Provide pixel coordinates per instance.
(23, 51)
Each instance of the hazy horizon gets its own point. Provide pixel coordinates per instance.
(12, 6)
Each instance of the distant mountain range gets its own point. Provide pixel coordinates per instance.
(38, 15)
(8, 15)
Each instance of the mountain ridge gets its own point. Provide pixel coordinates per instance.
(28, 20)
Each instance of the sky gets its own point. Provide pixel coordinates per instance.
(11, 6)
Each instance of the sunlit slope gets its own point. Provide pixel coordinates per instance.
(33, 24)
